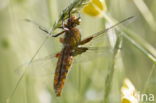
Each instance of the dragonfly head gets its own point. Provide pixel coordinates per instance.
(73, 21)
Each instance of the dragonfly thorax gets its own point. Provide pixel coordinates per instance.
(72, 37)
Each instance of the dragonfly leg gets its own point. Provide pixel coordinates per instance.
(56, 35)
(61, 40)
(57, 55)
(79, 51)
(104, 31)
(46, 31)
(65, 29)
(64, 26)
(86, 40)
(43, 29)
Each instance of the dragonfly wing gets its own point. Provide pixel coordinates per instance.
(38, 67)
(92, 54)
(102, 44)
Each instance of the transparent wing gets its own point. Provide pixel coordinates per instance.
(101, 35)
(46, 66)
(38, 67)
(103, 44)
(93, 54)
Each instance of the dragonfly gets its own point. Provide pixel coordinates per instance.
(72, 47)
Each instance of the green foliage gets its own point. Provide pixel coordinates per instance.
(74, 7)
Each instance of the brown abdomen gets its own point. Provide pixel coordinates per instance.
(63, 66)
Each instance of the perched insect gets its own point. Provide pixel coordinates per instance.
(71, 41)
(72, 46)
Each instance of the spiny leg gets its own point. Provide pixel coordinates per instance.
(57, 55)
(79, 50)
(63, 26)
(44, 29)
(61, 40)
(88, 39)
(56, 35)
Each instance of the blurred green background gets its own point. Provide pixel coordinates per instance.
(19, 40)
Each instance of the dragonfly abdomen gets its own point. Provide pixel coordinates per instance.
(63, 65)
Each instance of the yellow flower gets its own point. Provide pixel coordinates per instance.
(129, 99)
(129, 93)
(94, 8)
